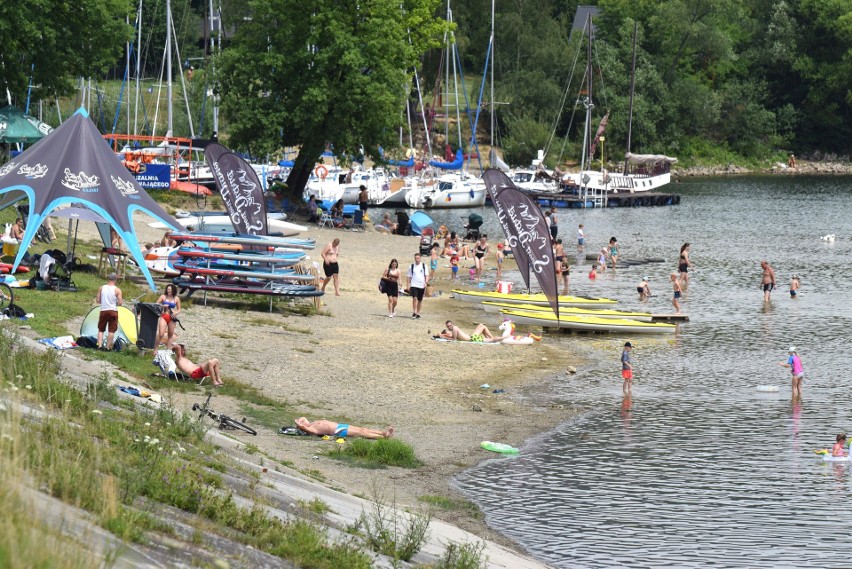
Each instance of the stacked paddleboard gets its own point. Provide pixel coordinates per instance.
(247, 264)
(575, 312)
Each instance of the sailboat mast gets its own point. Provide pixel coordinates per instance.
(169, 131)
(215, 40)
(632, 90)
(588, 101)
(492, 74)
(138, 65)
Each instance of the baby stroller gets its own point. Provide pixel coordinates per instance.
(403, 224)
(426, 239)
(472, 225)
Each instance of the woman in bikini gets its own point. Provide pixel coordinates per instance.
(170, 303)
(391, 278)
(479, 253)
(683, 265)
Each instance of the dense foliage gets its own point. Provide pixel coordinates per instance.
(323, 73)
(49, 43)
(715, 79)
(749, 77)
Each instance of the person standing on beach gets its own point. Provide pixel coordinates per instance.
(795, 364)
(676, 290)
(581, 238)
(418, 278)
(363, 199)
(391, 278)
(480, 252)
(767, 280)
(626, 368)
(329, 265)
(499, 257)
(683, 265)
(110, 298)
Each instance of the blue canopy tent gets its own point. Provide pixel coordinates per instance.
(73, 165)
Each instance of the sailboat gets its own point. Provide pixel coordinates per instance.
(642, 172)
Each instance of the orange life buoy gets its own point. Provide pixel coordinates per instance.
(321, 172)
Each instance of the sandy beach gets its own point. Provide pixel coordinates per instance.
(351, 363)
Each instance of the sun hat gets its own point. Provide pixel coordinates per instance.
(792, 350)
(646, 278)
(628, 345)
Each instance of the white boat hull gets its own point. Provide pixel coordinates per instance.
(617, 183)
(445, 196)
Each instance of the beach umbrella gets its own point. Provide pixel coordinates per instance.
(16, 127)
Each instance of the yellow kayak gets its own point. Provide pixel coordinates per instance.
(494, 307)
(590, 323)
(540, 299)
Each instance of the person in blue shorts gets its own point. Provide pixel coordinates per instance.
(323, 427)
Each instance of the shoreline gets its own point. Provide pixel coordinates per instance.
(350, 363)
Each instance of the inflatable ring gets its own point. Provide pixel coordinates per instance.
(321, 172)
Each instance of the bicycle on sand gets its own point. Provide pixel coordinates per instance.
(222, 421)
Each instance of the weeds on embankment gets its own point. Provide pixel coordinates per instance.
(82, 449)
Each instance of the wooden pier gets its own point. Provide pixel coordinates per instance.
(621, 199)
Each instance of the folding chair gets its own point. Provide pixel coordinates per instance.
(357, 221)
(325, 220)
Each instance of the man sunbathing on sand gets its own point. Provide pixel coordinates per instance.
(323, 427)
(480, 334)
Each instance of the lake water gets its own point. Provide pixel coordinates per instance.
(697, 468)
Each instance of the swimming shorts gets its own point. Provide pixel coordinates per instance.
(330, 269)
(677, 294)
(342, 430)
(640, 289)
(683, 268)
(793, 293)
(198, 373)
(477, 338)
(108, 319)
(455, 269)
(433, 265)
(581, 241)
(627, 374)
(767, 287)
(416, 292)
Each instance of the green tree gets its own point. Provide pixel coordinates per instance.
(324, 73)
(54, 41)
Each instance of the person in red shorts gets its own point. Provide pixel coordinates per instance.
(110, 298)
(195, 371)
(627, 367)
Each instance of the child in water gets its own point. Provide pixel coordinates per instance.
(676, 291)
(644, 289)
(794, 286)
(837, 449)
(626, 368)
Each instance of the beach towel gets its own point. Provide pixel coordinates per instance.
(59, 342)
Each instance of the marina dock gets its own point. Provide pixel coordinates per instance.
(623, 199)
